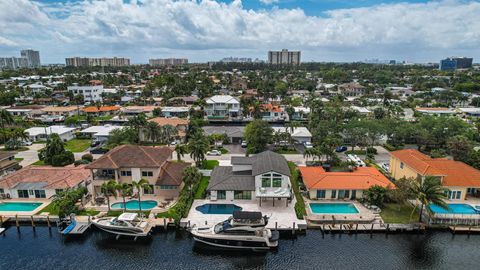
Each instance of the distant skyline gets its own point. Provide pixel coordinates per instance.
(324, 30)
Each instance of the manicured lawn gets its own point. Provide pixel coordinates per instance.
(77, 145)
(202, 187)
(20, 149)
(209, 164)
(398, 213)
(38, 163)
(116, 213)
(49, 209)
(88, 212)
(286, 151)
(19, 159)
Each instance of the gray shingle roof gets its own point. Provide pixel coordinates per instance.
(264, 162)
(223, 178)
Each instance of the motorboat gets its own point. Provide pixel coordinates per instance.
(128, 224)
(243, 230)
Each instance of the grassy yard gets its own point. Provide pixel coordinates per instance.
(38, 163)
(88, 212)
(300, 204)
(20, 149)
(202, 187)
(209, 164)
(19, 159)
(398, 213)
(49, 209)
(223, 151)
(77, 145)
(286, 151)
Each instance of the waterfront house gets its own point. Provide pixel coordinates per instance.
(298, 134)
(180, 124)
(99, 133)
(435, 111)
(272, 113)
(27, 110)
(43, 181)
(65, 111)
(101, 111)
(348, 185)
(222, 107)
(352, 89)
(460, 179)
(7, 162)
(300, 113)
(136, 110)
(41, 133)
(261, 177)
(175, 111)
(234, 133)
(127, 163)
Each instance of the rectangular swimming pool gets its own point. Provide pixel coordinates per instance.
(454, 208)
(19, 206)
(333, 208)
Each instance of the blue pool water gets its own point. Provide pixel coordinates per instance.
(454, 208)
(133, 205)
(19, 206)
(333, 208)
(218, 209)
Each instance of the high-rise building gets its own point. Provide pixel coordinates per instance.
(453, 63)
(284, 57)
(33, 57)
(29, 59)
(168, 62)
(91, 62)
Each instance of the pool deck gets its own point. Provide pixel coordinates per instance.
(44, 202)
(157, 209)
(364, 215)
(280, 216)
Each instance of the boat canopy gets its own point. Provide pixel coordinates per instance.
(127, 217)
(247, 215)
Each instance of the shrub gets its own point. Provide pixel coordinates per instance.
(88, 157)
(300, 204)
(63, 159)
(371, 150)
(80, 162)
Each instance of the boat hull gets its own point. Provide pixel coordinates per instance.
(229, 242)
(127, 231)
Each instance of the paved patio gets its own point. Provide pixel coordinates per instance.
(158, 209)
(280, 215)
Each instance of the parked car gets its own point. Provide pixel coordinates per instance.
(244, 144)
(27, 143)
(174, 143)
(341, 149)
(385, 166)
(308, 145)
(98, 150)
(214, 153)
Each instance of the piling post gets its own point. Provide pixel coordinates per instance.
(48, 221)
(356, 228)
(276, 225)
(16, 221)
(33, 223)
(388, 227)
(371, 229)
(1, 220)
(293, 228)
(165, 224)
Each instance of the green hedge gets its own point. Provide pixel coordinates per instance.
(300, 204)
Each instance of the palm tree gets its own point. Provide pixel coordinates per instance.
(191, 176)
(152, 131)
(198, 146)
(109, 189)
(139, 185)
(6, 119)
(169, 132)
(429, 191)
(180, 150)
(125, 189)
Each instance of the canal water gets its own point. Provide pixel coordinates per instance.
(46, 249)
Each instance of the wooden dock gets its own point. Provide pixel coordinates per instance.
(464, 229)
(366, 228)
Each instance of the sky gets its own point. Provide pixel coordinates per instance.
(207, 30)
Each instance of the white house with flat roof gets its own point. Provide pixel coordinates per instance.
(90, 93)
(41, 133)
(222, 107)
(299, 134)
(99, 133)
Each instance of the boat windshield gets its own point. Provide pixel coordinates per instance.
(220, 227)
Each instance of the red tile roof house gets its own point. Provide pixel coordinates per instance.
(127, 163)
(341, 185)
(459, 178)
(43, 181)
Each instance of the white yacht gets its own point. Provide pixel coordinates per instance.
(129, 224)
(244, 230)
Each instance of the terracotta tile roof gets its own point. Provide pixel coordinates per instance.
(60, 109)
(53, 177)
(162, 121)
(432, 109)
(362, 178)
(94, 109)
(172, 173)
(132, 156)
(456, 173)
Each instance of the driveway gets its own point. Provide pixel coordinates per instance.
(31, 155)
(235, 149)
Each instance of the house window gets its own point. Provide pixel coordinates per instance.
(40, 194)
(242, 195)
(341, 194)
(221, 194)
(149, 190)
(164, 187)
(347, 193)
(401, 165)
(126, 173)
(22, 193)
(147, 173)
(266, 182)
(321, 194)
(277, 182)
(30, 192)
(334, 194)
(2, 192)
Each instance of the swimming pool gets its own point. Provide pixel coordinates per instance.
(133, 205)
(19, 206)
(218, 209)
(454, 208)
(333, 208)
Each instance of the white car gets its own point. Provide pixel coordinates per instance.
(214, 153)
(308, 145)
(244, 144)
(27, 143)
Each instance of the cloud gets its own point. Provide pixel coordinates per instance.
(132, 28)
(7, 42)
(269, 2)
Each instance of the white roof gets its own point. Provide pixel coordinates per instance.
(297, 132)
(127, 216)
(222, 99)
(100, 130)
(174, 109)
(474, 110)
(360, 109)
(34, 131)
(302, 109)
